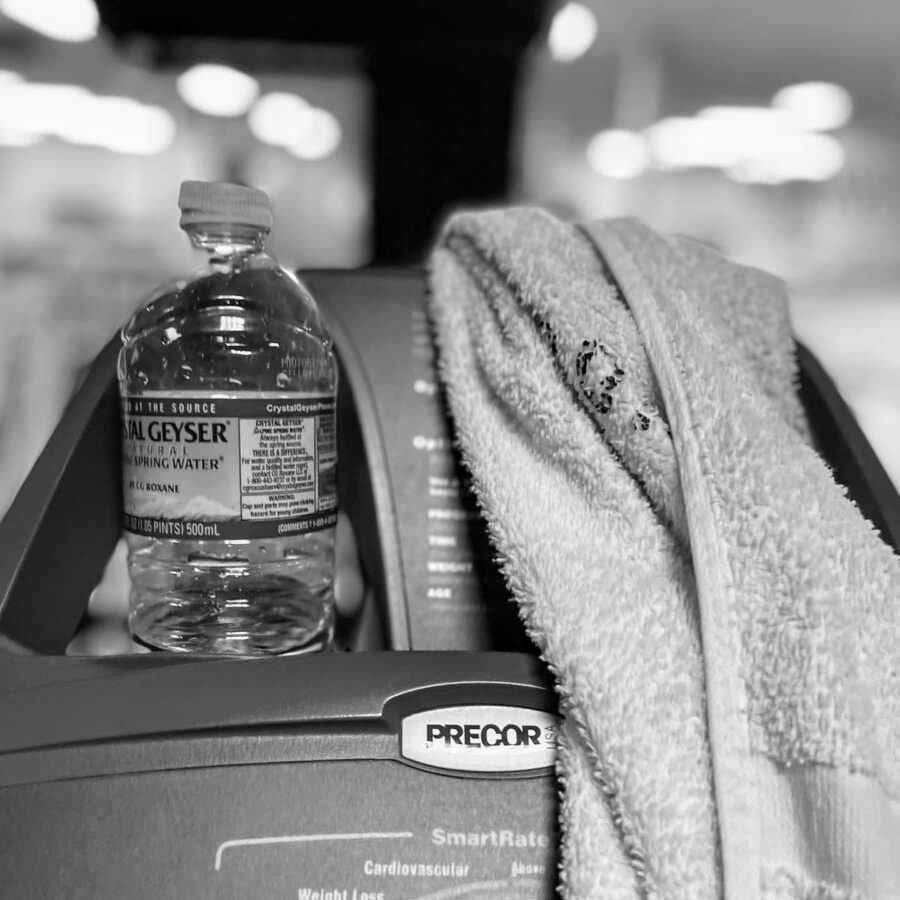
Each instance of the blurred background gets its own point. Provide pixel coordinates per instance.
(770, 129)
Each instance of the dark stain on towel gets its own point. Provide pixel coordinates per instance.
(598, 396)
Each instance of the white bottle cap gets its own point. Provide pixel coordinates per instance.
(218, 202)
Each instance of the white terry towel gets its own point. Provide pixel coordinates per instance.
(722, 623)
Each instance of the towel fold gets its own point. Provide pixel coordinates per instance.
(721, 622)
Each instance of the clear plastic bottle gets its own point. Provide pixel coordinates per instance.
(228, 385)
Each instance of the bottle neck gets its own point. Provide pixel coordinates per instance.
(227, 243)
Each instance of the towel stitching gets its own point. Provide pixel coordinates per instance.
(727, 728)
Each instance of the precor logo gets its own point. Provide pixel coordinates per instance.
(481, 738)
(510, 734)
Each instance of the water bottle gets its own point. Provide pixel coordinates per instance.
(228, 384)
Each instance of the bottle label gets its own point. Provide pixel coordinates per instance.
(211, 467)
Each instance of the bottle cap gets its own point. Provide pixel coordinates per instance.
(218, 202)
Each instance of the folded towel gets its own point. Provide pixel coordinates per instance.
(722, 623)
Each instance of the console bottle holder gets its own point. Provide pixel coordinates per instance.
(417, 765)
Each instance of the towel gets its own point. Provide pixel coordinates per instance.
(722, 624)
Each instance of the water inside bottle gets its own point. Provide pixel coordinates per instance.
(234, 597)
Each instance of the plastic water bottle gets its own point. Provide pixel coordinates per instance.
(228, 384)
